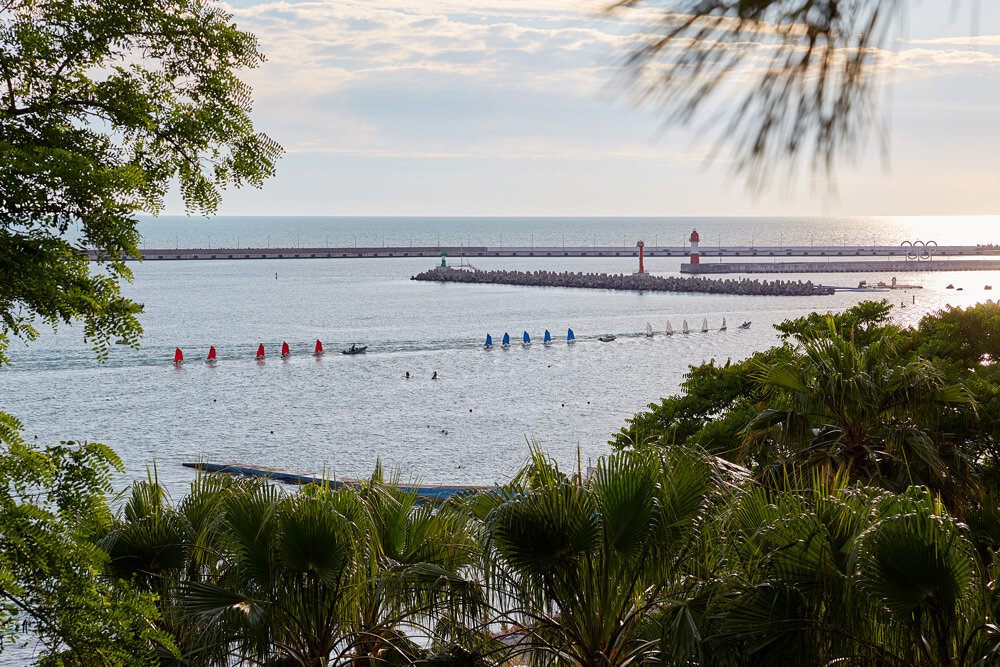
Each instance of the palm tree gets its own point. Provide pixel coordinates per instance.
(157, 546)
(332, 575)
(835, 574)
(864, 409)
(577, 567)
(415, 582)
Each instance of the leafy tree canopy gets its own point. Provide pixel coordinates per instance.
(103, 106)
(53, 505)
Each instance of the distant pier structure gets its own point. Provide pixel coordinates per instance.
(911, 252)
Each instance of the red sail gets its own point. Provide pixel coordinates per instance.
(178, 356)
(284, 350)
(319, 347)
(260, 351)
(211, 353)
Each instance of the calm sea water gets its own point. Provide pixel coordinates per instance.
(340, 414)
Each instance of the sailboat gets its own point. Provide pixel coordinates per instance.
(548, 338)
(704, 325)
(210, 359)
(525, 339)
(489, 342)
(570, 338)
(285, 351)
(649, 330)
(685, 327)
(260, 352)
(723, 327)
(178, 357)
(670, 329)
(506, 341)
(318, 352)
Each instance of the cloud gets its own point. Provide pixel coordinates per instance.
(968, 41)
(316, 46)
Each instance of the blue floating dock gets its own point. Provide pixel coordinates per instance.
(426, 493)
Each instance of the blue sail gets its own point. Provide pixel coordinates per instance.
(569, 335)
(506, 339)
(489, 341)
(526, 338)
(548, 336)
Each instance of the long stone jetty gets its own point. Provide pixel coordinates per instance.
(635, 282)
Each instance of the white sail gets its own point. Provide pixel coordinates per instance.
(685, 329)
(670, 329)
(723, 328)
(649, 330)
(704, 325)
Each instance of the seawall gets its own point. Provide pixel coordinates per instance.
(634, 282)
(155, 254)
(879, 266)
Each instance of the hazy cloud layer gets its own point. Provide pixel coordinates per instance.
(535, 82)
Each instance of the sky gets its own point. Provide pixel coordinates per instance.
(517, 108)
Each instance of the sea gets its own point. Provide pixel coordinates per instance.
(339, 415)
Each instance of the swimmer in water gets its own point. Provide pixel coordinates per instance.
(435, 376)
(407, 375)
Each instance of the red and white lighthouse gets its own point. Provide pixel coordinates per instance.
(694, 246)
(640, 245)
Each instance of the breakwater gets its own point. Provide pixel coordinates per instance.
(624, 282)
(870, 266)
(156, 254)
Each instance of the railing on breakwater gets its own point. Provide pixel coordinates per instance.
(635, 282)
(556, 251)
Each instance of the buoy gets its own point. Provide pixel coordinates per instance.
(319, 348)
(260, 352)
(178, 357)
(285, 352)
(407, 375)
(211, 355)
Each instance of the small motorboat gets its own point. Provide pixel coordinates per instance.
(122, 341)
(318, 352)
(355, 349)
(607, 338)
(506, 341)
(723, 327)
(649, 330)
(745, 325)
(260, 352)
(526, 340)
(488, 345)
(548, 338)
(210, 359)
(570, 337)
(285, 350)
